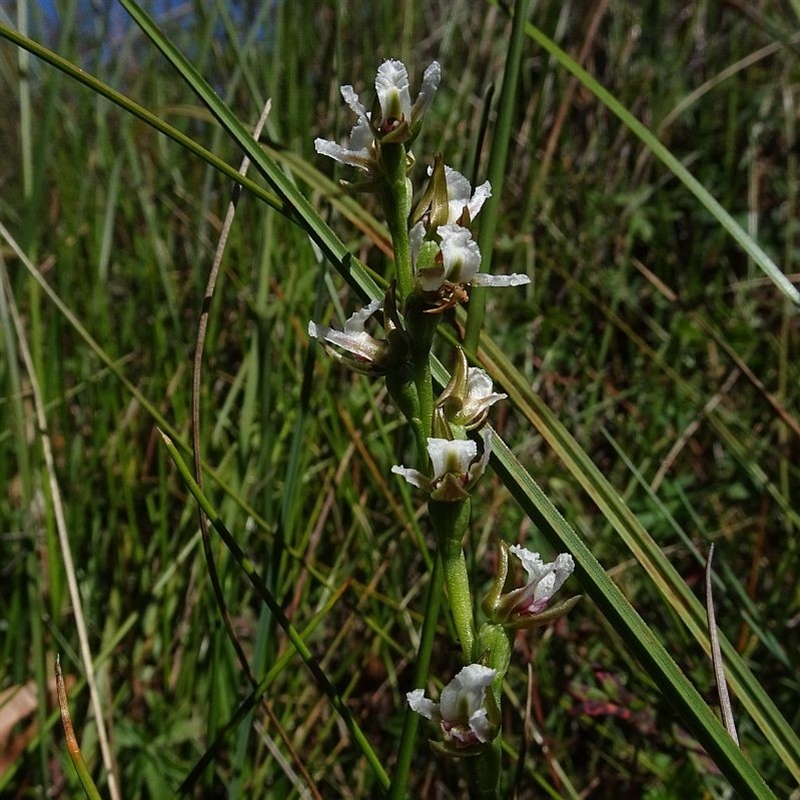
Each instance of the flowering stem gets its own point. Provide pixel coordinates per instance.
(402, 387)
(483, 772)
(397, 207)
(421, 328)
(450, 520)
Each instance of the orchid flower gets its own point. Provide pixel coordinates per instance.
(358, 349)
(462, 711)
(445, 255)
(456, 467)
(468, 396)
(527, 606)
(399, 120)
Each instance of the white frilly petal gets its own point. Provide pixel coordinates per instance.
(423, 706)
(499, 281)
(351, 98)
(413, 476)
(544, 580)
(451, 456)
(391, 86)
(358, 319)
(430, 83)
(360, 158)
(460, 253)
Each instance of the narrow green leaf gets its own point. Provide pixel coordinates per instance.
(637, 635)
(747, 243)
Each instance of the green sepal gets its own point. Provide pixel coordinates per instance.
(530, 621)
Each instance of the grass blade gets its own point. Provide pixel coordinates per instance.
(747, 243)
(269, 599)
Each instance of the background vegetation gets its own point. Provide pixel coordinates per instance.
(647, 330)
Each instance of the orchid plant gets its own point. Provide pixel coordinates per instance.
(436, 262)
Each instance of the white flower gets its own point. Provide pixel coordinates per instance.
(544, 580)
(394, 98)
(461, 711)
(480, 396)
(460, 196)
(456, 467)
(458, 263)
(360, 350)
(398, 115)
(353, 339)
(468, 395)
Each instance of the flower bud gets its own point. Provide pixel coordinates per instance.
(466, 399)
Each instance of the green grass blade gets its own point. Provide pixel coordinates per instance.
(637, 635)
(747, 243)
(274, 606)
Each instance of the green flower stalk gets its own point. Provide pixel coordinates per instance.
(436, 262)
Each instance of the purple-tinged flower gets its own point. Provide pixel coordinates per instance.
(527, 606)
(463, 710)
(544, 580)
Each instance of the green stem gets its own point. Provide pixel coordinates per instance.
(396, 198)
(483, 772)
(450, 520)
(405, 750)
(424, 384)
(402, 386)
(421, 328)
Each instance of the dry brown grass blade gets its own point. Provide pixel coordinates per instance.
(716, 657)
